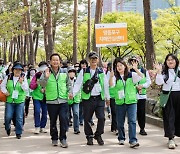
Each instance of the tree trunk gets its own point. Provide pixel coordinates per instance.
(49, 30)
(14, 49)
(44, 24)
(54, 22)
(36, 45)
(10, 51)
(99, 4)
(30, 32)
(18, 49)
(4, 51)
(150, 53)
(89, 28)
(75, 28)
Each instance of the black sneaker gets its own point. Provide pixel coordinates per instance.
(77, 132)
(92, 123)
(89, 141)
(81, 123)
(8, 132)
(99, 140)
(142, 132)
(64, 143)
(18, 136)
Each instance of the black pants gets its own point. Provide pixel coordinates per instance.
(58, 111)
(141, 113)
(171, 115)
(113, 115)
(94, 104)
(27, 101)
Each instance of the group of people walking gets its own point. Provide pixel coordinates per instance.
(56, 90)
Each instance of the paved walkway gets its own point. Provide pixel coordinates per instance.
(153, 143)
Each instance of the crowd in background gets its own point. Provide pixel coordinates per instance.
(72, 94)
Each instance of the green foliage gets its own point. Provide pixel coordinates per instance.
(64, 44)
(10, 24)
(168, 28)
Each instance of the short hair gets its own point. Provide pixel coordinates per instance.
(55, 54)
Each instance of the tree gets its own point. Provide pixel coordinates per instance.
(75, 27)
(150, 53)
(29, 27)
(97, 20)
(89, 27)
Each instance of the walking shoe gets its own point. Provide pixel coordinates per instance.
(92, 123)
(64, 143)
(8, 132)
(18, 136)
(171, 144)
(43, 130)
(37, 130)
(55, 142)
(70, 123)
(142, 132)
(81, 123)
(134, 145)
(109, 115)
(99, 140)
(77, 132)
(89, 140)
(121, 142)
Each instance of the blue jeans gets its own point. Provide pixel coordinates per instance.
(75, 109)
(18, 109)
(40, 113)
(131, 110)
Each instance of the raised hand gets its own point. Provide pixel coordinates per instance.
(158, 67)
(47, 73)
(21, 79)
(134, 65)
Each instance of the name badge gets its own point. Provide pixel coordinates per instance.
(121, 94)
(15, 94)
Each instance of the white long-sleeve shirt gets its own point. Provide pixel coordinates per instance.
(170, 82)
(24, 85)
(97, 87)
(145, 85)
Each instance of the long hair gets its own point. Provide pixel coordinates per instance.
(83, 61)
(165, 67)
(116, 73)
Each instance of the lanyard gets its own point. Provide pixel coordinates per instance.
(14, 86)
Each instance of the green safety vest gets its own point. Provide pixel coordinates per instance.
(141, 82)
(56, 88)
(129, 91)
(87, 76)
(76, 99)
(11, 88)
(37, 94)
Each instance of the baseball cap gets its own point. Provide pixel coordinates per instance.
(93, 55)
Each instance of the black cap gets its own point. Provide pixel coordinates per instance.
(93, 55)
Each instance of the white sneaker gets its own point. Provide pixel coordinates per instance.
(37, 130)
(43, 130)
(171, 144)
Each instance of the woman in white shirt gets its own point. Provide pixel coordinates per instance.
(14, 87)
(171, 112)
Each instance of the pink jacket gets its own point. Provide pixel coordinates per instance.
(33, 84)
